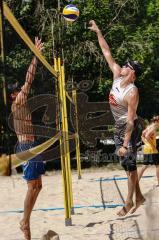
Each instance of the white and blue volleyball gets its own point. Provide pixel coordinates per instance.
(70, 13)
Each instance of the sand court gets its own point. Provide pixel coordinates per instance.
(97, 198)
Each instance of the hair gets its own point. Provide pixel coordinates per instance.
(13, 87)
(155, 119)
(136, 66)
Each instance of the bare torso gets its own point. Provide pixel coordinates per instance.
(22, 122)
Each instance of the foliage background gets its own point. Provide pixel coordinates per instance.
(131, 28)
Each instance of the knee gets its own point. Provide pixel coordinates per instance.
(144, 167)
(129, 164)
(132, 167)
(38, 188)
(35, 188)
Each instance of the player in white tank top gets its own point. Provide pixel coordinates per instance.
(118, 106)
(123, 101)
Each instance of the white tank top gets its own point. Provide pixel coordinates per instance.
(116, 100)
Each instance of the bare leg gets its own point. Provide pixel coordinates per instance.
(141, 171)
(132, 178)
(34, 188)
(139, 197)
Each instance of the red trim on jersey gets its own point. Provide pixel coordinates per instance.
(112, 100)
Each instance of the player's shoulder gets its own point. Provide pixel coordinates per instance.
(133, 91)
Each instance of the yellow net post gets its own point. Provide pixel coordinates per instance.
(67, 138)
(64, 148)
(63, 167)
(74, 96)
(58, 127)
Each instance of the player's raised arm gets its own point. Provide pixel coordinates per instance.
(32, 68)
(21, 97)
(115, 68)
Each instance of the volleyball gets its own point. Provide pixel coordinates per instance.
(70, 13)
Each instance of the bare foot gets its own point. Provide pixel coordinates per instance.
(137, 205)
(125, 209)
(26, 230)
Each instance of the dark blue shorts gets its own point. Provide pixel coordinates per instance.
(129, 160)
(33, 168)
